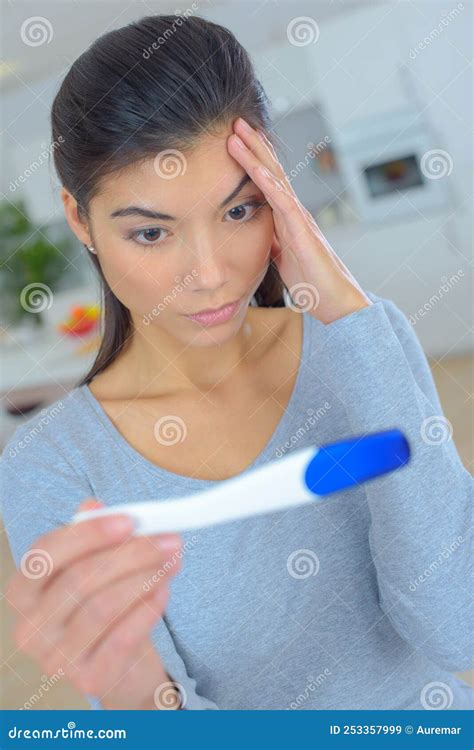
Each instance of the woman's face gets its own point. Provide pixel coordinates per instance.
(210, 246)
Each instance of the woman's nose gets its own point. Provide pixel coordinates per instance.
(208, 268)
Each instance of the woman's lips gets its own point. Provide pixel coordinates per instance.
(218, 316)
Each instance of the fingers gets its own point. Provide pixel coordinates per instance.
(91, 622)
(98, 601)
(91, 576)
(54, 552)
(99, 615)
(260, 147)
(112, 658)
(95, 572)
(91, 504)
(259, 144)
(57, 549)
(251, 151)
(257, 156)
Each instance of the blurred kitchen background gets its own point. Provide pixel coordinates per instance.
(372, 107)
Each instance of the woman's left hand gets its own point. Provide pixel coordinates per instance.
(318, 281)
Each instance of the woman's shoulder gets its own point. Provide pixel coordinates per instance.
(290, 323)
(42, 478)
(48, 430)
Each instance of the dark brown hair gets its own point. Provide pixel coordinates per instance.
(153, 85)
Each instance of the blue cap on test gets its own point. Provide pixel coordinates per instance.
(349, 462)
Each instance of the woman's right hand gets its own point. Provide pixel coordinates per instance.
(86, 597)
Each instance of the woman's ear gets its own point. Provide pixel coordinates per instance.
(71, 212)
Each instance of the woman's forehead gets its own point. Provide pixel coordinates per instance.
(173, 180)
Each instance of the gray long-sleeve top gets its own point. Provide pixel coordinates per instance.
(363, 601)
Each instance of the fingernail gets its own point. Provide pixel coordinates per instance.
(170, 543)
(245, 125)
(90, 504)
(118, 525)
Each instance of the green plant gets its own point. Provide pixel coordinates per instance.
(28, 256)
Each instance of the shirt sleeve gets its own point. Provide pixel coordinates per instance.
(40, 491)
(420, 532)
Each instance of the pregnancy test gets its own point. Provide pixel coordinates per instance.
(304, 476)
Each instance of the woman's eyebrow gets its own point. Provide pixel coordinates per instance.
(149, 214)
(236, 191)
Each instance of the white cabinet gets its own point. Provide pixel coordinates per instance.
(288, 75)
(416, 264)
(356, 58)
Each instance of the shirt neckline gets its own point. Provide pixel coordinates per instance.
(175, 478)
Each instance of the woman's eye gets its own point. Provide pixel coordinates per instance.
(245, 211)
(150, 236)
(155, 235)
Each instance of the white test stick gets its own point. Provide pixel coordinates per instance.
(303, 476)
(275, 486)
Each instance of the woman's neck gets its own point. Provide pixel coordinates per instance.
(155, 364)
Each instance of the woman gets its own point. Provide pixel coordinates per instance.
(184, 207)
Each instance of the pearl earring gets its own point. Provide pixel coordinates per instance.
(91, 249)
